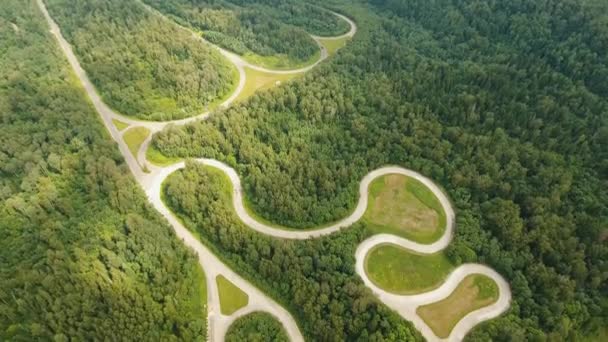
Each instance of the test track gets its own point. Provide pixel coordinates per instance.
(218, 323)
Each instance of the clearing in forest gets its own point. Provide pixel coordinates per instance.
(405, 207)
(401, 271)
(474, 292)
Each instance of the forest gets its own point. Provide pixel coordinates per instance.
(82, 255)
(142, 65)
(256, 327)
(499, 103)
(262, 27)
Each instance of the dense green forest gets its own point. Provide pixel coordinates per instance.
(314, 279)
(256, 327)
(511, 122)
(82, 255)
(142, 65)
(263, 27)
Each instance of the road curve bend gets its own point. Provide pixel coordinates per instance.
(313, 232)
(405, 305)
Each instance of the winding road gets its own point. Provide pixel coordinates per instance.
(218, 323)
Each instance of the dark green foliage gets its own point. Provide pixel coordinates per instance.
(256, 327)
(266, 27)
(82, 256)
(312, 18)
(142, 65)
(517, 141)
(314, 279)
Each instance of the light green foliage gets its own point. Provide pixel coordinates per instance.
(83, 256)
(231, 297)
(142, 65)
(401, 271)
(256, 327)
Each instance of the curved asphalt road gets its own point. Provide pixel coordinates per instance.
(218, 324)
(405, 305)
(239, 63)
(308, 233)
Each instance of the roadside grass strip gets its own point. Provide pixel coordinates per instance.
(155, 157)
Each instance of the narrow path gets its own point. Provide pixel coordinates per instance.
(218, 324)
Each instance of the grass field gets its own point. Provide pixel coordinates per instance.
(135, 137)
(198, 300)
(474, 292)
(256, 327)
(333, 45)
(119, 124)
(401, 271)
(155, 157)
(405, 207)
(256, 80)
(231, 297)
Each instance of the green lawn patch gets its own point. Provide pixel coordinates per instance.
(155, 157)
(231, 297)
(333, 45)
(401, 271)
(474, 292)
(134, 137)
(119, 124)
(198, 299)
(403, 206)
(256, 327)
(256, 80)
